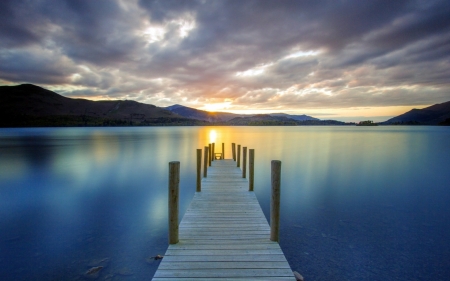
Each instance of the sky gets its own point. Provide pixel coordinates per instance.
(346, 60)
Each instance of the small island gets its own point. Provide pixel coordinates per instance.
(367, 123)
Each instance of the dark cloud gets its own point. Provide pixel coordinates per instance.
(252, 53)
(35, 65)
(164, 10)
(19, 24)
(98, 32)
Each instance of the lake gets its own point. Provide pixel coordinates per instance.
(357, 203)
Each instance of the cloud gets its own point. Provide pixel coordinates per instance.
(253, 54)
(19, 26)
(35, 65)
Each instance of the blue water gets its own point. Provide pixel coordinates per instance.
(358, 203)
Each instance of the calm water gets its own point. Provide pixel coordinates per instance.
(358, 203)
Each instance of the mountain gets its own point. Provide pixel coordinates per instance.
(302, 117)
(432, 115)
(30, 105)
(193, 113)
(269, 120)
(189, 112)
(262, 120)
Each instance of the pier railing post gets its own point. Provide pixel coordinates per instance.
(205, 162)
(199, 170)
(275, 201)
(233, 150)
(238, 156)
(213, 151)
(244, 163)
(210, 154)
(223, 151)
(251, 168)
(174, 183)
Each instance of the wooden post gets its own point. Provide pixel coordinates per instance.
(275, 201)
(233, 150)
(205, 162)
(213, 152)
(174, 183)
(210, 152)
(223, 151)
(244, 162)
(251, 167)
(239, 156)
(199, 170)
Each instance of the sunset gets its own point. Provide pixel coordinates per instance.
(224, 140)
(342, 60)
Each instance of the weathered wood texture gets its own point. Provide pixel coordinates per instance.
(238, 164)
(211, 153)
(199, 170)
(224, 235)
(174, 187)
(233, 150)
(251, 168)
(275, 201)
(244, 162)
(205, 162)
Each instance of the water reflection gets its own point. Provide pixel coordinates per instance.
(360, 203)
(212, 136)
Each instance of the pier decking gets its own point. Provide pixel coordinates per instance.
(224, 234)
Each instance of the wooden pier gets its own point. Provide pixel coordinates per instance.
(224, 234)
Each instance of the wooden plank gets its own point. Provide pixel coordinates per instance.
(218, 220)
(224, 258)
(222, 224)
(221, 252)
(224, 246)
(223, 265)
(224, 279)
(220, 227)
(229, 273)
(224, 234)
(225, 241)
(218, 216)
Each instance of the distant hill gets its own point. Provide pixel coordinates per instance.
(302, 117)
(269, 120)
(193, 113)
(262, 120)
(30, 105)
(189, 112)
(432, 115)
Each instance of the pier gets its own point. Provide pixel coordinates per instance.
(224, 234)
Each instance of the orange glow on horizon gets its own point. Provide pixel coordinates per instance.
(326, 113)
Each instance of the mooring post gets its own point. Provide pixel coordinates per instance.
(223, 151)
(251, 168)
(199, 170)
(239, 156)
(174, 183)
(205, 162)
(209, 154)
(244, 162)
(213, 151)
(275, 201)
(233, 151)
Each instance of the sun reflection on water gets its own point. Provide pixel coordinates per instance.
(212, 136)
